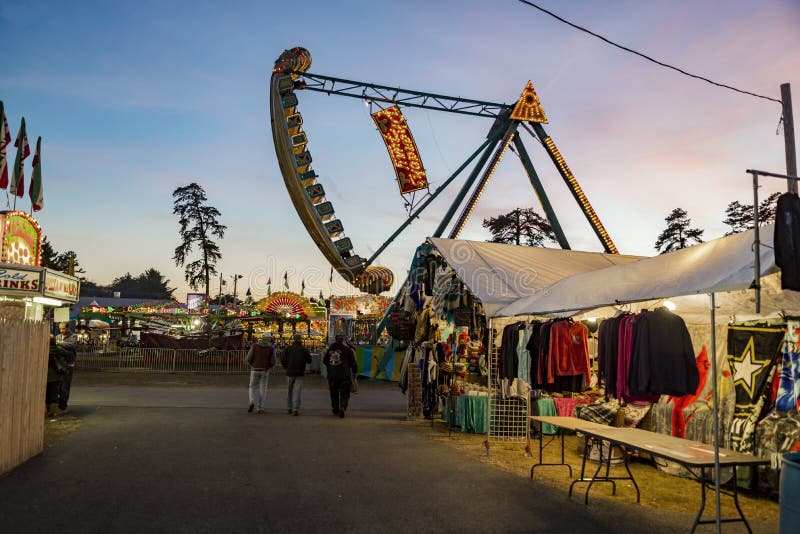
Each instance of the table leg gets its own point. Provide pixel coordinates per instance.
(541, 447)
(702, 499)
(595, 479)
(628, 469)
(736, 501)
(562, 453)
(583, 467)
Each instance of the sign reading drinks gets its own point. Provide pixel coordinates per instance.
(61, 286)
(19, 281)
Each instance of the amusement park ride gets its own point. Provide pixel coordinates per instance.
(290, 75)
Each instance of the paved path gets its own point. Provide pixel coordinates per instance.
(151, 459)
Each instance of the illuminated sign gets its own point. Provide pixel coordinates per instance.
(402, 149)
(21, 238)
(16, 281)
(195, 301)
(528, 107)
(61, 286)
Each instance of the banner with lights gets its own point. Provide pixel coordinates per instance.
(20, 239)
(290, 306)
(402, 149)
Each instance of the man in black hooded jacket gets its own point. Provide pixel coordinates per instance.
(340, 361)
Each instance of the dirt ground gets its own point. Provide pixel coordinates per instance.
(658, 490)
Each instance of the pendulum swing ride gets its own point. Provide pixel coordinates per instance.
(290, 76)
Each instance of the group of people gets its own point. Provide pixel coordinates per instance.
(339, 360)
(60, 366)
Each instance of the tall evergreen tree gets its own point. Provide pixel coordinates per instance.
(740, 216)
(60, 261)
(678, 234)
(199, 224)
(522, 226)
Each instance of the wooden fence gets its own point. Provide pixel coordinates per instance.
(23, 378)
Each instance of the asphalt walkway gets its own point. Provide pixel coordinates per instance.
(162, 459)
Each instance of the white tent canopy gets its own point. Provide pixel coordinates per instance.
(724, 266)
(499, 274)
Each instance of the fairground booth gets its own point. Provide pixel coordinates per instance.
(27, 288)
(31, 296)
(442, 320)
(171, 324)
(685, 345)
(358, 317)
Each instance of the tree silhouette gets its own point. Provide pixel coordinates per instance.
(199, 225)
(520, 226)
(60, 261)
(678, 233)
(740, 216)
(151, 284)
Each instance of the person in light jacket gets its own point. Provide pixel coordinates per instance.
(261, 358)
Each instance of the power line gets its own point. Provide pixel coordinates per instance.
(648, 58)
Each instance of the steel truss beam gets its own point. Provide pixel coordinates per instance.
(395, 95)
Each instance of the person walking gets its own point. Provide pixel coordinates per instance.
(56, 367)
(67, 343)
(261, 358)
(340, 361)
(294, 360)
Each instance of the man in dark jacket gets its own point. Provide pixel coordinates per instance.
(294, 360)
(67, 342)
(340, 361)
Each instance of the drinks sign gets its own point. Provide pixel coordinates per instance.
(19, 281)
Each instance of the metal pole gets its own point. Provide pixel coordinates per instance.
(540, 193)
(756, 246)
(485, 177)
(499, 130)
(788, 136)
(427, 201)
(716, 409)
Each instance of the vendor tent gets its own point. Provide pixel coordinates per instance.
(724, 266)
(498, 274)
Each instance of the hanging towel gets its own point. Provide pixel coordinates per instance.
(547, 407)
(565, 406)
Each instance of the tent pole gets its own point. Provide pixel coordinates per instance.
(716, 410)
(756, 245)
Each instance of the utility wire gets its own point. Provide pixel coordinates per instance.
(648, 58)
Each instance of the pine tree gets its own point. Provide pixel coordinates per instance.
(740, 216)
(520, 226)
(199, 225)
(60, 261)
(678, 233)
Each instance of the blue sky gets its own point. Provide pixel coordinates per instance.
(135, 99)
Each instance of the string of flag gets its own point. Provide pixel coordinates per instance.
(16, 185)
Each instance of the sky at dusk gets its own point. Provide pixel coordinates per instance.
(135, 99)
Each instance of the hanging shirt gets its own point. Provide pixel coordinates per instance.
(523, 354)
(663, 359)
(787, 240)
(569, 346)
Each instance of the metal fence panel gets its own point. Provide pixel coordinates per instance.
(165, 360)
